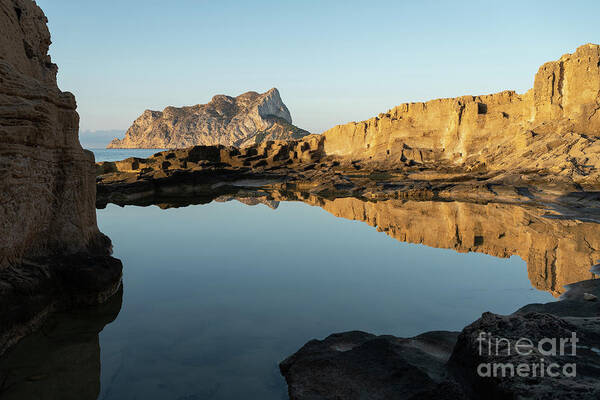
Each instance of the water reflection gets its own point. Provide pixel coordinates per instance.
(558, 250)
(60, 361)
(216, 295)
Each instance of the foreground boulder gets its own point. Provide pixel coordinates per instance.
(47, 187)
(240, 121)
(358, 365)
(543, 351)
(509, 369)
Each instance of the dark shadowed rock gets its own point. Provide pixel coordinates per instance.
(446, 365)
(472, 357)
(358, 365)
(32, 290)
(62, 360)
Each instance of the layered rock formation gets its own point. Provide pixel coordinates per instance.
(239, 121)
(553, 128)
(47, 184)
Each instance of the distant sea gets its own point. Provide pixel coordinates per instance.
(121, 154)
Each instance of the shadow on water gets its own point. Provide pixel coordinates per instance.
(61, 360)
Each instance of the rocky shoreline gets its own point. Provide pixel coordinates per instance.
(358, 365)
(302, 166)
(538, 149)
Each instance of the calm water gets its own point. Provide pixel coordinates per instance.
(121, 154)
(216, 295)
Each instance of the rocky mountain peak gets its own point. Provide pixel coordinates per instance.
(235, 121)
(272, 105)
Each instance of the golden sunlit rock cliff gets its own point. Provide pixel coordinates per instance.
(554, 127)
(551, 130)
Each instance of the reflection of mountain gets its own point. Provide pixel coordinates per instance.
(62, 360)
(250, 201)
(557, 251)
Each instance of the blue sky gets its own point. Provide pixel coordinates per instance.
(333, 61)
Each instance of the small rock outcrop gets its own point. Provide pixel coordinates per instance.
(240, 121)
(52, 252)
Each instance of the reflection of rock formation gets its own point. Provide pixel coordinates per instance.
(446, 365)
(250, 201)
(62, 361)
(557, 251)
